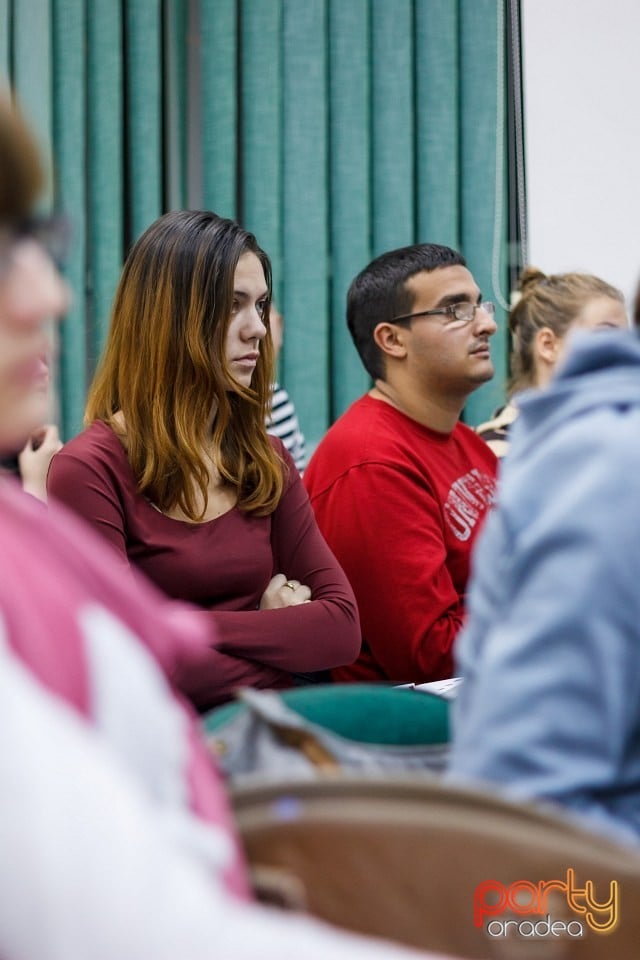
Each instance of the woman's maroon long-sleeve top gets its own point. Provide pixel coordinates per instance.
(222, 566)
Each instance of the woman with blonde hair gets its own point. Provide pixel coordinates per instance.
(176, 470)
(546, 310)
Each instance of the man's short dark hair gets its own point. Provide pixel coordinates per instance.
(379, 292)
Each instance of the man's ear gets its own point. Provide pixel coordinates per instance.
(547, 346)
(390, 338)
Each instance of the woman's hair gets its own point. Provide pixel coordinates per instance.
(554, 302)
(164, 368)
(21, 177)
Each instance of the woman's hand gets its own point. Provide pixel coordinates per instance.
(284, 593)
(35, 458)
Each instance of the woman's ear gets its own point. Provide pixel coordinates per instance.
(546, 353)
(390, 338)
(547, 346)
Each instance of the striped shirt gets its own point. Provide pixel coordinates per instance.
(283, 423)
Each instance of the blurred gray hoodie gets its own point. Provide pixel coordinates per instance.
(550, 655)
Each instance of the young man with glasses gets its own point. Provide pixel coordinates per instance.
(399, 485)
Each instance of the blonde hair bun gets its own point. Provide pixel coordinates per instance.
(529, 277)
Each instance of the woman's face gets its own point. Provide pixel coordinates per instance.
(31, 294)
(598, 313)
(246, 328)
(601, 313)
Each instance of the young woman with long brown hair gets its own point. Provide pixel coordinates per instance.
(176, 470)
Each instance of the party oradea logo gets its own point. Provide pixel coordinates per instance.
(545, 910)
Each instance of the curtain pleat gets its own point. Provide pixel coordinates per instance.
(305, 214)
(105, 164)
(480, 199)
(437, 122)
(261, 156)
(219, 104)
(143, 113)
(69, 137)
(5, 41)
(392, 135)
(332, 129)
(32, 72)
(350, 186)
(175, 76)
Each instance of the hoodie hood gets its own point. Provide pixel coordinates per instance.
(601, 369)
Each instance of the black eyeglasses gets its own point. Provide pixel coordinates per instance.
(462, 313)
(52, 233)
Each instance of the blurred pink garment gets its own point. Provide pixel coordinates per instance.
(85, 628)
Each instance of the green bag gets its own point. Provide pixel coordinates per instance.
(362, 727)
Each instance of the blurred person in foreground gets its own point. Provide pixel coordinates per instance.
(550, 704)
(114, 828)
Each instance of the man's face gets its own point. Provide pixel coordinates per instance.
(31, 294)
(446, 356)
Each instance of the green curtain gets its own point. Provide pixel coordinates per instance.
(334, 129)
